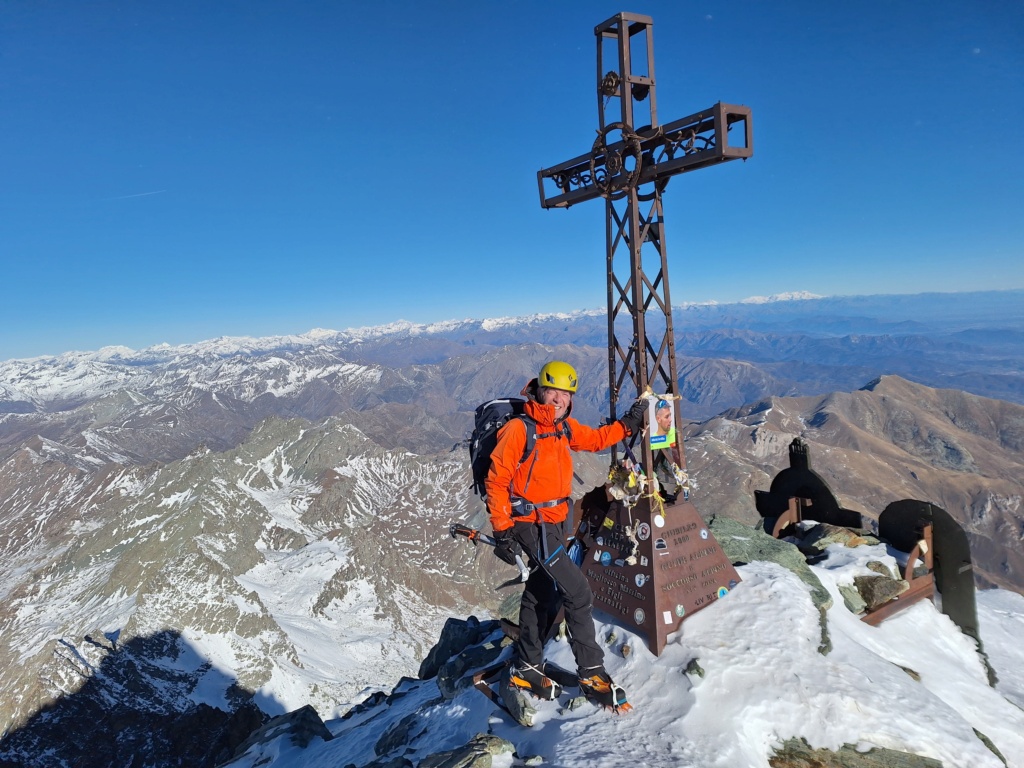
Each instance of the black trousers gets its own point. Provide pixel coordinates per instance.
(556, 583)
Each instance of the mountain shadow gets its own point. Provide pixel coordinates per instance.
(151, 703)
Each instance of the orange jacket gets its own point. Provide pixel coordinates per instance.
(546, 475)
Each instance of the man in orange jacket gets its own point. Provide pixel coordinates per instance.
(529, 502)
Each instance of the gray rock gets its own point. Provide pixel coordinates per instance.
(852, 599)
(988, 743)
(456, 636)
(880, 568)
(920, 570)
(576, 702)
(743, 544)
(796, 753)
(878, 590)
(371, 701)
(404, 687)
(825, 643)
(916, 676)
(302, 725)
(823, 534)
(478, 752)
(399, 734)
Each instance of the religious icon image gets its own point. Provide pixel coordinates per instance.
(663, 424)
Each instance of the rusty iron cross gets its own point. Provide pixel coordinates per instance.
(629, 165)
(656, 562)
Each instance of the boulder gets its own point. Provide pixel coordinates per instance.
(852, 599)
(823, 534)
(743, 544)
(880, 568)
(878, 590)
(455, 636)
(797, 753)
(399, 734)
(301, 725)
(478, 752)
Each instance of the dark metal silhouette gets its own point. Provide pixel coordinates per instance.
(798, 492)
(900, 524)
(928, 533)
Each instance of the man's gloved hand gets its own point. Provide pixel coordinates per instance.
(505, 546)
(633, 419)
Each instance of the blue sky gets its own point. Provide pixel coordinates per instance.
(177, 171)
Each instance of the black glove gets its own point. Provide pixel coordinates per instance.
(633, 419)
(505, 546)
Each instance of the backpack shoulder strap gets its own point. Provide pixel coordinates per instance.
(531, 436)
(559, 431)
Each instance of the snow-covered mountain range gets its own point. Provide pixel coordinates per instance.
(211, 534)
(785, 346)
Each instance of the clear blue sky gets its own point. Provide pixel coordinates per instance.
(177, 171)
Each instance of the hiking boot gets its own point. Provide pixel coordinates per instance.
(562, 677)
(597, 685)
(595, 679)
(528, 678)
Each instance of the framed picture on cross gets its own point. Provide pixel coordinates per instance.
(663, 423)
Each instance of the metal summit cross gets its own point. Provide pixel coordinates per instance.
(650, 559)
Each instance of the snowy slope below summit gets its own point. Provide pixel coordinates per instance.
(914, 684)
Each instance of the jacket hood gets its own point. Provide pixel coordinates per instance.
(542, 414)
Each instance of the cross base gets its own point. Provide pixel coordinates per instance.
(651, 567)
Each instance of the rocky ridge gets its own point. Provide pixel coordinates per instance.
(302, 537)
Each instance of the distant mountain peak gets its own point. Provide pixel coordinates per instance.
(789, 296)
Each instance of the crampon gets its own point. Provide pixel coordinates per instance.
(600, 689)
(530, 679)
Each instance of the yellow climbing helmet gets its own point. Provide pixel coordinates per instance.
(558, 375)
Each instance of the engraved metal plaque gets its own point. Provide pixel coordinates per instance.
(651, 569)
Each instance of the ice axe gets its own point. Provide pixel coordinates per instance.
(457, 529)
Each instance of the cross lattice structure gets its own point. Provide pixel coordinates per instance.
(629, 166)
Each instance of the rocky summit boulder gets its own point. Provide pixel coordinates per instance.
(456, 635)
(822, 535)
(479, 752)
(877, 590)
(797, 753)
(301, 726)
(744, 544)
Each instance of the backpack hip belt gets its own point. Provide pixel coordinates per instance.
(521, 507)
